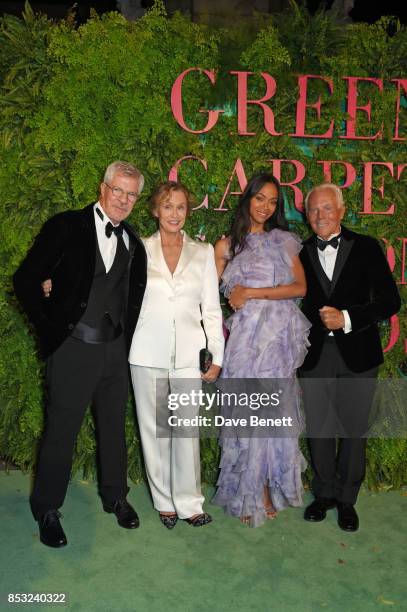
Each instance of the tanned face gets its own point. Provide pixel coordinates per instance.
(262, 206)
(118, 197)
(172, 212)
(324, 212)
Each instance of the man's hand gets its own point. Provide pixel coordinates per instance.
(212, 374)
(238, 297)
(332, 318)
(47, 287)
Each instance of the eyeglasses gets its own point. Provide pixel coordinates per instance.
(118, 193)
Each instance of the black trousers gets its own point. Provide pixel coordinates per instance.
(79, 374)
(337, 404)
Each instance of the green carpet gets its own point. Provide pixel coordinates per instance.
(285, 565)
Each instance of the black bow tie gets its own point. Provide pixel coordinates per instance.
(111, 229)
(322, 244)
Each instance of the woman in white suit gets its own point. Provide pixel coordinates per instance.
(181, 293)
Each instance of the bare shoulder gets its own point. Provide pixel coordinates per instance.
(222, 255)
(222, 248)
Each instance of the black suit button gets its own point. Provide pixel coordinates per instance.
(83, 304)
(71, 326)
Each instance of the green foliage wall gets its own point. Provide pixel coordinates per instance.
(74, 99)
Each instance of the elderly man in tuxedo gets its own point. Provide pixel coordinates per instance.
(97, 265)
(349, 290)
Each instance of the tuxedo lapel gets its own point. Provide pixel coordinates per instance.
(345, 247)
(133, 243)
(324, 281)
(88, 238)
(134, 239)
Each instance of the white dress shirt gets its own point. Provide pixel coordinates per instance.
(107, 246)
(327, 257)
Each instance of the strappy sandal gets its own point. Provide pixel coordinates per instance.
(270, 512)
(169, 520)
(199, 520)
(269, 509)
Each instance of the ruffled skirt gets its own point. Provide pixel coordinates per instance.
(265, 342)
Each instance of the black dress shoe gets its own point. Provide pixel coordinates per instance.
(347, 518)
(316, 511)
(169, 520)
(126, 515)
(51, 532)
(199, 520)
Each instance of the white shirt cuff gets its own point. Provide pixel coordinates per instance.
(348, 324)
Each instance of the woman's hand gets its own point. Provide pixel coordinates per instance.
(47, 287)
(212, 374)
(238, 297)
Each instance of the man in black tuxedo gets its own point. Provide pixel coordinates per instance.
(85, 323)
(349, 290)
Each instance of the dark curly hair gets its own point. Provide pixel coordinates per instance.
(241, 222)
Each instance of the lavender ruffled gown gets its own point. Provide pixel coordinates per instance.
(268, 339)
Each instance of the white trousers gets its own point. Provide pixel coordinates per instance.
(172, 463)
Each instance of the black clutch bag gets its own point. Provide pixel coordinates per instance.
(205, 360)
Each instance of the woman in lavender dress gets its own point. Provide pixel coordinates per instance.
(262, 276)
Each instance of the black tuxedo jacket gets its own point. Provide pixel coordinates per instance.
(363, 285)
(65, 251)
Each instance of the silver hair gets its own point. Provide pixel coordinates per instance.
(122, 167)
(337, 190)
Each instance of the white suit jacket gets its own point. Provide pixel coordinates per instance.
(179, 301)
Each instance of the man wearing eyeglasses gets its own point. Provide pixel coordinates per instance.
(85, 319)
